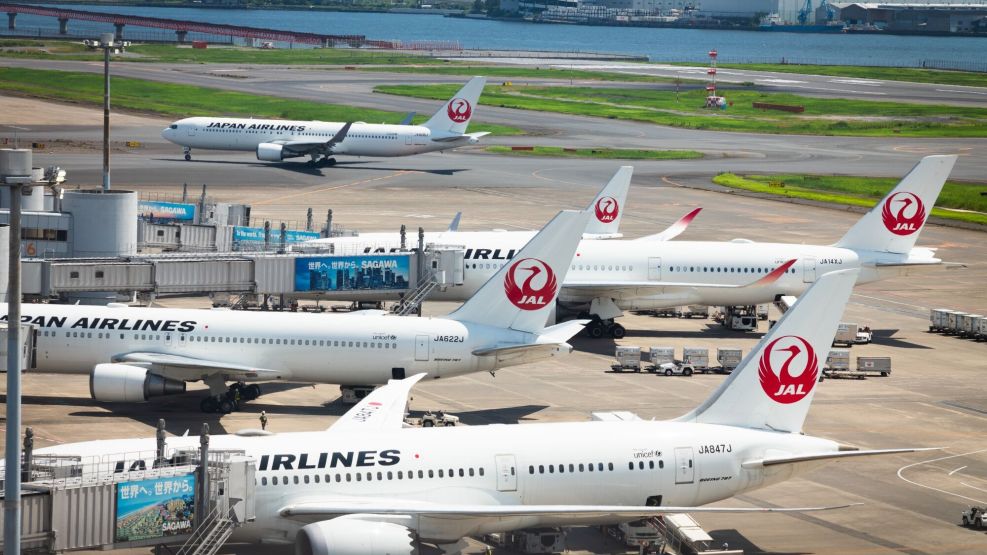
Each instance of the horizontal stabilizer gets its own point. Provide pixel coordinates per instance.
(775, 461)
(382, 410)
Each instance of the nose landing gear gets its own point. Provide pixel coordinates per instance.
(188, 153)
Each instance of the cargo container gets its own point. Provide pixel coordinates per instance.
(698, 357)
(874, 365)
(980, 327)
(660, 355)
(838, 360)
(628, 358)
(966, 325)
(953, 321)
(846, 335)
(938, 319)
(729, 358)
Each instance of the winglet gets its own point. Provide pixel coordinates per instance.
(675, 229)
(340, 135)
(408, 119)
(454, 224)
(774, 275)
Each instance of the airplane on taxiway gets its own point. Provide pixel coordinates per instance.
(608, 277)
(371, 485)
(277, 140)
(135, 353)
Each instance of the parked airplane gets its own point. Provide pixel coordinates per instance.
(608, 277)
(370, 485)
(133, 354)
(277, 140)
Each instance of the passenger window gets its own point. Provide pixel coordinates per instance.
(481, 471)
(471, 471)
(306, 478)
(541, 469)
(263, 481)
(296, 479)
(431, 474)
(274, 481)
(651, 465)
(580, 467)
(421, 474)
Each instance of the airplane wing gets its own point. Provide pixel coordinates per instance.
(306, 147)
(513, 355)
(186, 368)
(408, 118)
(454, 224)
(349, 505)
(383, 409)
(673, 230)
(775, 461)
(604, 288)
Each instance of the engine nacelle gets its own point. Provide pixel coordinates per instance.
(129, 384)
(349, 536)
(270, 152)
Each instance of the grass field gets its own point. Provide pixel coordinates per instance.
(822, 116)
(914, 75)
(958, 201)
(604, 153)
(186, 100)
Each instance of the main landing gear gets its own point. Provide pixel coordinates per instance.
(322, 162)
(230, 400)
(188, 154)
(599, 328)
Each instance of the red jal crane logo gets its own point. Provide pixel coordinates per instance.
(459, 110)
(782, 386)
(900, 223)
(534, 273)
(607, 209)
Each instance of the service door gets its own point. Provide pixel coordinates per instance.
(654, 268)
(407, 140)
(506, 473)
(809, 270)
(191, 129)
(685, 471)
(421, 347)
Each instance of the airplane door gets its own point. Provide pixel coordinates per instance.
(685, 471)
(809, 270)
(506, 473)
(407, 140)
(654, 268)
(421, 347)
(191, 129)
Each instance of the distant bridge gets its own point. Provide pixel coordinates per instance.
(182, 27)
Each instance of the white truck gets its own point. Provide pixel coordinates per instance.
(674, 368)
(628, 358)
(975, 517)
(637, 533)
(438, 418)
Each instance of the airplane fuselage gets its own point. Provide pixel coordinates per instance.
(363, 139)
(629, 464)
(351, 349)
(623, 262)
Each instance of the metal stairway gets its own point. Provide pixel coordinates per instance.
(210, 536)
(412, 301)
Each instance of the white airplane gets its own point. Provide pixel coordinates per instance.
(133, 354)
(608, 277)
(277, 140)
(607, 210)
(371, 485)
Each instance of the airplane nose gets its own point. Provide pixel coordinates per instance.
(166, 133)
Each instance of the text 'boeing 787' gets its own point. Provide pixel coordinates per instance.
(370, 485)
(277, 140)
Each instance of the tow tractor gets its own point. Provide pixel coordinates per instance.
(975, 517)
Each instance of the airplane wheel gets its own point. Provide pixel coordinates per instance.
(330, 161)
(595, 330)
(251, 392)
(209, 405)
(188, 157)
(618, 331)
(226, 406)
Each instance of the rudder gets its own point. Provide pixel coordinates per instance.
(455, 115)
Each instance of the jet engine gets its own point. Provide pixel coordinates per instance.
(349, 536)
(129, 384)
(271, 152)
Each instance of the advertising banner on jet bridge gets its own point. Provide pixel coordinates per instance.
(241, 233)
(155, 508)
(171, 211)
(350, 273)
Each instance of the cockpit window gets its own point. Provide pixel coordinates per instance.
(173, 126)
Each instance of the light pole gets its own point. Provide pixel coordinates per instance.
(107, 41)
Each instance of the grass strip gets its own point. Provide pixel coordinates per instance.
(913, 75)
(861, 191)
(604, 153)
(186, 100)
(822, 116)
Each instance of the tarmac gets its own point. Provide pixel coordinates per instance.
(936, 395)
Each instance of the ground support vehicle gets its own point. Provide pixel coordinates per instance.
(762, 312)
(628, 359)
(675, 368)
(637, 534)
(975, 517)
(431, 419)
(698, 357)
(729, 358)
(694, 311)
(874, 365)
(738, 318)
(535, 540)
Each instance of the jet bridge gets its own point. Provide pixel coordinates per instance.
(135, 500)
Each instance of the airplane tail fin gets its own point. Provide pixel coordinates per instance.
(608, 207)
(894, 224)
(455, 115)
(773, 386)
(522, 294)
